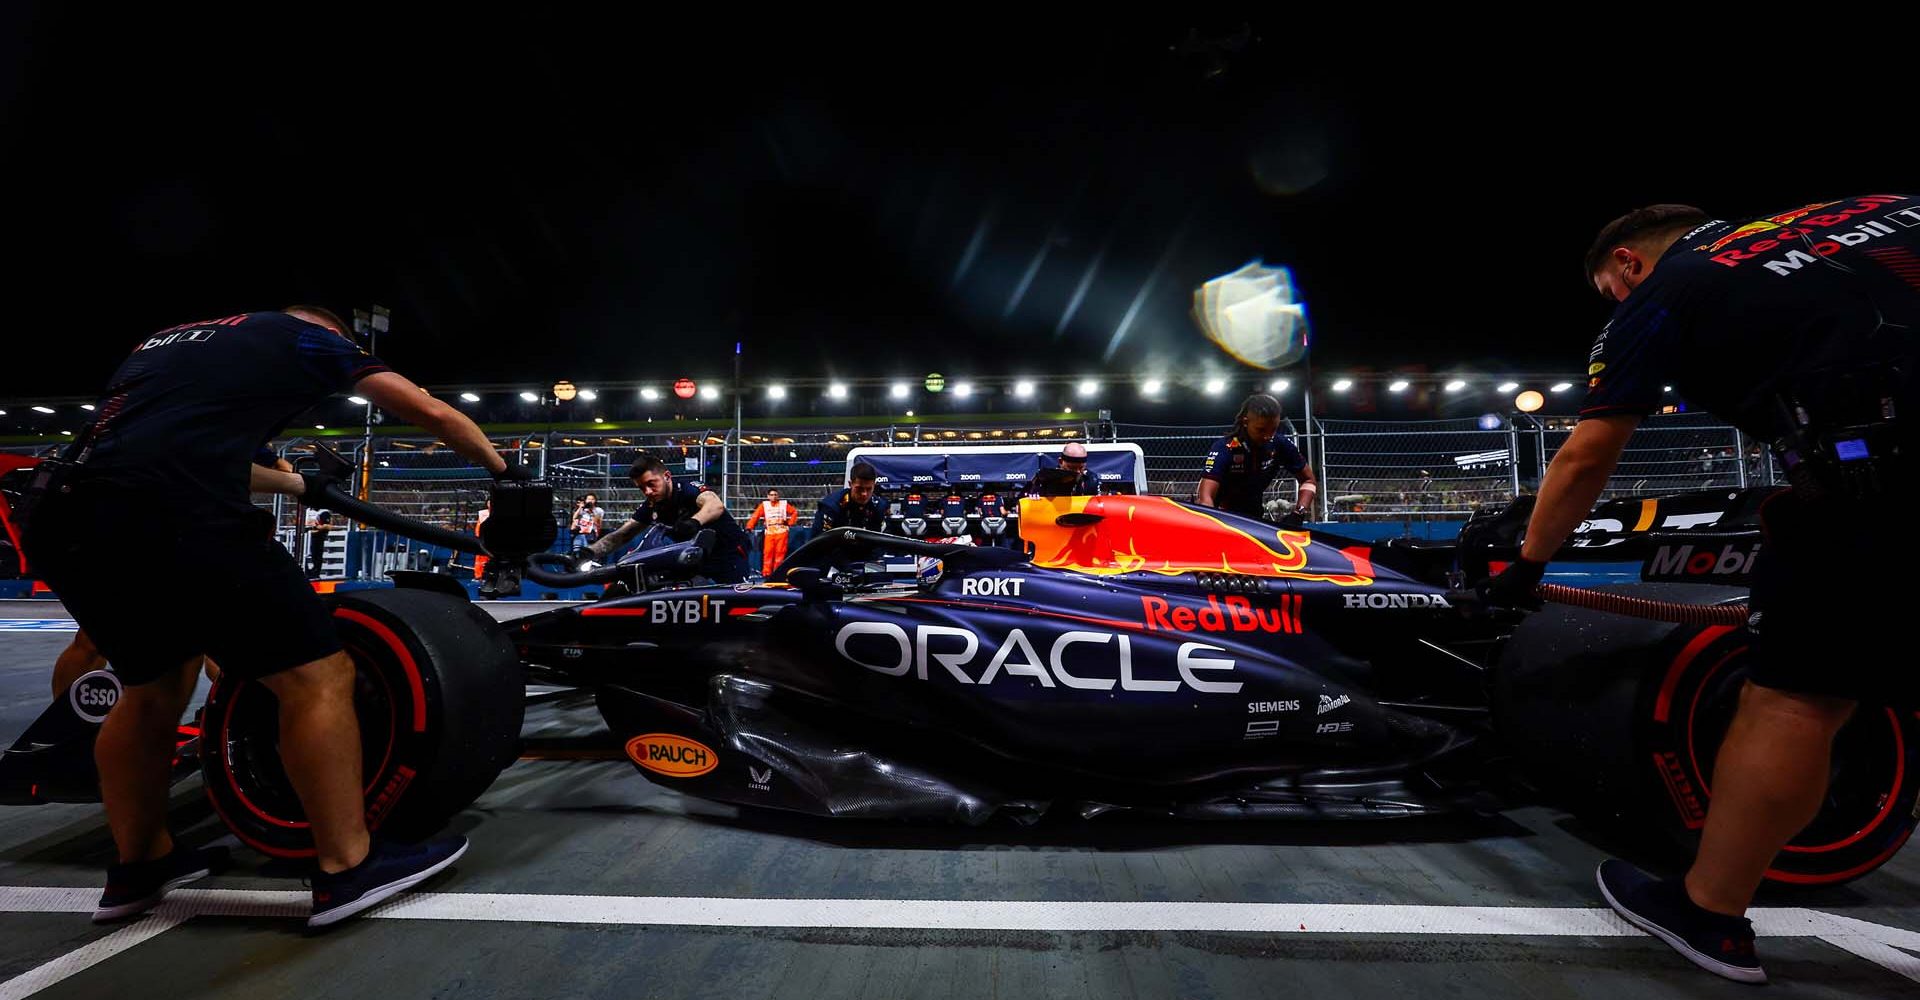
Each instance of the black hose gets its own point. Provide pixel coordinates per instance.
(1643, 607)
(537, 572)
(380, 517)
(684, 563)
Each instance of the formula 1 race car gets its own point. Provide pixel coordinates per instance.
(1138, 654)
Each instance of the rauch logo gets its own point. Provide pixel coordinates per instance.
(673, 756)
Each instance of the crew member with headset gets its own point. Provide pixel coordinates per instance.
(1800, 330)
(1073, 459)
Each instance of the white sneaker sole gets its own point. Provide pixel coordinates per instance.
(384, 893)
(1674, 941)
(108, 914)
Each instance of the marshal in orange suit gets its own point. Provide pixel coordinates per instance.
(779, 516)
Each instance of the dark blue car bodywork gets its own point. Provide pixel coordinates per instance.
(1294, 677)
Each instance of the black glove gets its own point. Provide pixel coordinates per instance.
(1515, 586)
(514, 473)
(315, 493)
(583, 558)
(684, 529)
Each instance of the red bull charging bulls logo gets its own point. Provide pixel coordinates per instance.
(1110, 535)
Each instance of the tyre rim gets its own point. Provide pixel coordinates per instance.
(256, 773)
(1865, 776)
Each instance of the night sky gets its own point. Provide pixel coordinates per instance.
(540, 197)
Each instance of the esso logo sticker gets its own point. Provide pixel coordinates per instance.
(93, 695)
(671, 755)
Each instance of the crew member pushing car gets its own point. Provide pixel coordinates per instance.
(169, 444)
(682, 509)
(1800, 330)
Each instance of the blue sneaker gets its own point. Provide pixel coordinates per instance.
(138, 887)
(387, 871)
(1715, 942)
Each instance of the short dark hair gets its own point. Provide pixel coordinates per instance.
(863, 472)
(321, 315)
(1642, 225)
(645, 463)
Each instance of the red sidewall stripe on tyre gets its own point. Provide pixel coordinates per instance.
(270, 850)
(1886, 808)
(1663, 705)
(399, 648)
(226, 765)
(267, 849)
(1700, 775)
(1693, 717)
(1797, 878)
(226, 762)
(415, 684)
(1663, 709)
(393, 739)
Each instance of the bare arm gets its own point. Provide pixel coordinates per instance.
(397, 395)
(1208, 490)
(616, 538)
(1574, 481)
(1309, 486)
(709, 508)
(264, 480)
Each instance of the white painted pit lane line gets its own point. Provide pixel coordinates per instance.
(82, 958)
(1876, 943)
(38, 625)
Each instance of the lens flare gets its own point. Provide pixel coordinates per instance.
(1255, 315)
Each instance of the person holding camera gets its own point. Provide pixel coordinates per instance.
(588, 517)
(683, 509)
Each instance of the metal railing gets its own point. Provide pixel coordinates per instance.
(1368, 470)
